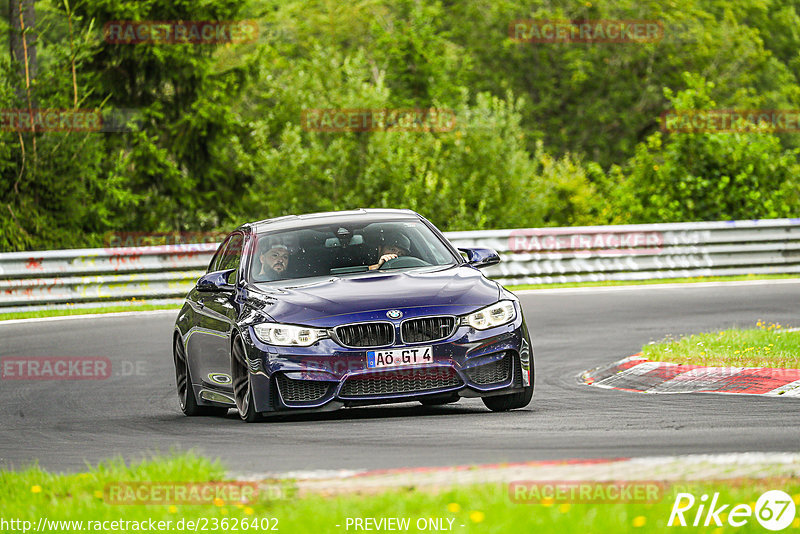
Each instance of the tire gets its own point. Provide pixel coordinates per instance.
(242, 390)
(512, 401)
(183, 381)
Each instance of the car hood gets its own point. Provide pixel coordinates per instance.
(367, 296)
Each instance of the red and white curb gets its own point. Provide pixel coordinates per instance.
(639, 374)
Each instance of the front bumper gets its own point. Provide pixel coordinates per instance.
(325, 376)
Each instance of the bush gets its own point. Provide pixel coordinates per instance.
(708, 176)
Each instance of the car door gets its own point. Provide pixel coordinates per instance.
(216, 314)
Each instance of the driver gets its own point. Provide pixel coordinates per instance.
(274, 262)
(392, 248)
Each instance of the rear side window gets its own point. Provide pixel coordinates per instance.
(217, 259)
(232, 256)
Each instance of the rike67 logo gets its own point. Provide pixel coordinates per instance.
(774, 510)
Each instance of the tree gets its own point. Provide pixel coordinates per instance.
(22, 36)
(708, 176)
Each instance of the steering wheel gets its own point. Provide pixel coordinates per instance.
(404, 261)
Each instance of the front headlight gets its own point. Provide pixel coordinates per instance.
(497, 314)
(287, 335)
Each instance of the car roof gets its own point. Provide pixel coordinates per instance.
(288, 222)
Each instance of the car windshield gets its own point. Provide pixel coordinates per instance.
(335, 249)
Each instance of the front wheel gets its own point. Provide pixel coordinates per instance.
(512, 401)
(242, 390)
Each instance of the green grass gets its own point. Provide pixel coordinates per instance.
(764, 346)
(34, 493)
(85, 311)
(650, 282)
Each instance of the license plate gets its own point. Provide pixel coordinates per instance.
(395, 357)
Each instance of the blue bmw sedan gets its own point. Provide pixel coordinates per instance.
(322, 311)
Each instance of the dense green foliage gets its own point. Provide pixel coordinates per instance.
(545, 134)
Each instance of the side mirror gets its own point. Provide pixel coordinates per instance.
(481, 257)
(216, 281)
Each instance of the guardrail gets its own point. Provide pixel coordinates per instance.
(640, 251)
(113, 275)
(31, 280)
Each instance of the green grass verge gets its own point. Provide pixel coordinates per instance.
(764, 346)
(85, 311)
(651, 282)
(33, 493)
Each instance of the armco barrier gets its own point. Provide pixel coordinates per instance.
(535, 255)
(640, 251)
(104, 275)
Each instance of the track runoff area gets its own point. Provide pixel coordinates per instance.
(705, 459)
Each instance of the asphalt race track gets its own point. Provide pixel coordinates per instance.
(64, 424)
